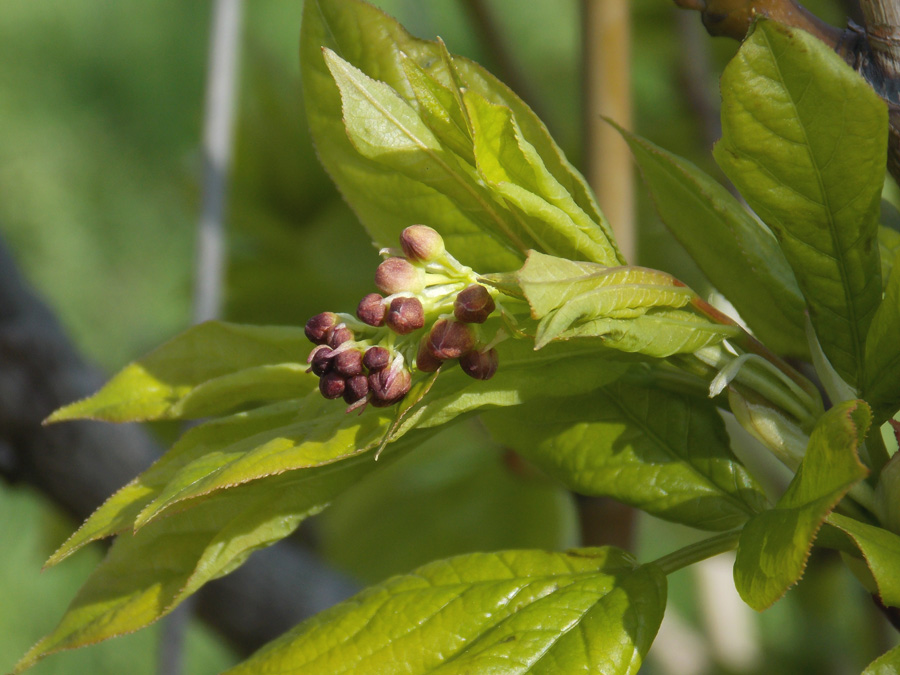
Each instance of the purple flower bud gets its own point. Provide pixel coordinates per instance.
(349, 362)
(480, 365)
(356, 388)
(376, 358)
(421, 243)
(371, 310)
(318, 328)
(405, 315)
(425, 360)
(473, 304)
(321, 360)
(339, 336)
(396, 275)
(450, 339)
(389, 385)
(332, 385)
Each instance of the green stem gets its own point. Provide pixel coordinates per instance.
(701, 550)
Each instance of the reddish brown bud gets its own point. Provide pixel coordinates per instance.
(356, 388)
(425, 360)
(421, 243)
(371, 310)
(376, 358)
(396, 275)
(349, 362)
(473, 304)
(319, 327)
(389, 385)
(450, 339)
(339, 336)
(405, 315)
(332, 385)
(480, 365)
(320, 360)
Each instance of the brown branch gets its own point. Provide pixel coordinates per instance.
(79, 464)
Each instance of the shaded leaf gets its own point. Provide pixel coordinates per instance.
(587, 610)
(199, 373)
(665, 453)
(882, 386)
(735, 252)
(774, 545)
(880, 549)
(804, 140)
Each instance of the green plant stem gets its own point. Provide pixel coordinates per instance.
(708, 548)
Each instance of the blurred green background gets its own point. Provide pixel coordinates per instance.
(100, 120)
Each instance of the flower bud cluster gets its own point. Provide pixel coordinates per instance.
(429, 310)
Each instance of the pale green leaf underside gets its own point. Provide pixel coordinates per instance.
(881, 550)
(775, 545)
(665, 453)
(804, 140)
(209, 369)
(587, 610)
(736, 253)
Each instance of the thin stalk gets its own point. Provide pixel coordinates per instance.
(708, 548)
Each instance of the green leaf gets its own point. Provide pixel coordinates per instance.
(147, 574)
(888, 248)
(881, 550)
(886, 664)
(198, 373)
(736, 253)
(774, 545)
(804, 140)
(546, 211)
(586, 610)
(665, 453)
(883, 352)
(387, 201)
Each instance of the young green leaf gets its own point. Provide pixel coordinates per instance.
(665, 453)
(774, 545)
(804, 140)
(736, 253)
(886, 664)
(148, 573)
(199, 373)
(586, 610)
(881, 551)
(882, 388)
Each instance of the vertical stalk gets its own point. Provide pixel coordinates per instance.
(606, 60)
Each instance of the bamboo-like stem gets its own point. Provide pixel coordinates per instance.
(606, 57)
(883, 34)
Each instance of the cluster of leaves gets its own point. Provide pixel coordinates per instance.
(612, 381)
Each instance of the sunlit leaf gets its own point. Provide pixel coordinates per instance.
(775, 545)
(804, 139)
(665, 453)
(199, 373)
(586, 610)
(736, 253)
(886, 664)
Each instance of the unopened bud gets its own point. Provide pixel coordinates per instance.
(405, 315)
(349, 363)
(376, 358)
(356, 388)
(339, 336)
(480, 365)
(421, 243)
(318, 328)
(473, 304)
(425, 360)
(389, 385)
(398, 275)
(450, 339)
(321, 359)
(371, 310)
(332, 385)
